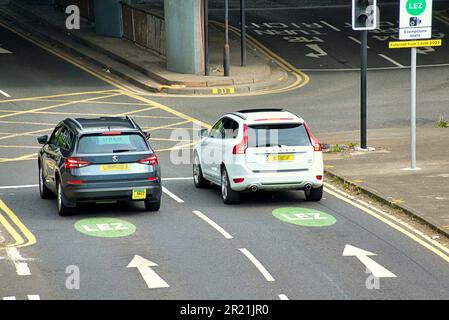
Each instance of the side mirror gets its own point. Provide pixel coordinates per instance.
(202, 133)
(147, 135)
(42, 139)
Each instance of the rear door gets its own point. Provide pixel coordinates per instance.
(113, 156)
(279, 147)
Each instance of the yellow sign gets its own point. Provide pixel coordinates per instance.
(415, 43)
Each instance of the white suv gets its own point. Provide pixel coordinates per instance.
(259, 149)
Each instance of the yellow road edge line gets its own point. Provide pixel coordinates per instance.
(26, 232)
(390, 223)
(16, 236)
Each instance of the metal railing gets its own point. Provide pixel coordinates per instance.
(144, 28)
(86, 7)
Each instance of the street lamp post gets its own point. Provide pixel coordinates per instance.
(242, 34)
(226, 53)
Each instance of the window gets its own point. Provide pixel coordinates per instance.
(98, 144)
(217, 130)
(65, 139)
(278, 135)
(55, 135)
(231, 128)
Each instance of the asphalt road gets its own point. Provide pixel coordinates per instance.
(193, 257)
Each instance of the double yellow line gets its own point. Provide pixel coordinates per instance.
(22, 236)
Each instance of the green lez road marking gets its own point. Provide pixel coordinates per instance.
(105, 227)
(416, 7)
(304, 217)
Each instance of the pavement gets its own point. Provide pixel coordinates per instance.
(146, 69)
(196, 259)
(422, 193)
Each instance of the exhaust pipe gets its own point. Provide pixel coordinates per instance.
(253, 188)
(308, 186)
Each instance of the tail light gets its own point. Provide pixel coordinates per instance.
(75, 182)
(238, 180)
(75, 163)
(317, 146)
(241, 147)
(319, 178)
(153, 179)
(151, 160)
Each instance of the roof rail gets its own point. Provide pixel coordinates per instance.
(132, 122)
(76, 122)
(260, 110)
(238, 114)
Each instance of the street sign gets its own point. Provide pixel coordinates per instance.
(415, 21)
(415, 44)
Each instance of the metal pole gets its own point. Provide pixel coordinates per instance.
(413, 110)
(226, 56)
(206, 37)
(363, 67)
(242, 34)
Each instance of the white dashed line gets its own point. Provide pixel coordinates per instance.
(392, 61)
(21, 267)
(330, 26)
(213, 224)
(33, 297)
(20, 187)
(283, 297)
(5, 94)
(172, 195)
(9, 298)
(257, 263)
(357, 41)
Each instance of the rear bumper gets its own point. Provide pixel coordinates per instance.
(77, 194)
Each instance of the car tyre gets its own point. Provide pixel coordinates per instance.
(63, 210)
(44, 192)
(198, 178)
(314, 194)
(152, 206)
(229, 196)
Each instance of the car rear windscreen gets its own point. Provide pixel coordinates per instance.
(95, 144)
(270, 135)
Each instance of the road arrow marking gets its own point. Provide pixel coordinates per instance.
(376, 269)
(151, 278)
(425, 50)
(4, 51)
(317, 48)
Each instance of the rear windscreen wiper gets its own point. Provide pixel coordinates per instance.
(122, 150)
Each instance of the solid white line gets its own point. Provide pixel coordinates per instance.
(33, 297)
(5, 94)
(391, 60)
(257, 263)
(357, 41)
(330, 26)
(9, 298)
(21, 267)
(213, 224)
(283, 297)
(172, 195)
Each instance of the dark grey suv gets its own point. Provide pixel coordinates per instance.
(102, 159)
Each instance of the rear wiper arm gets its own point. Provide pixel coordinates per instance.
(122, 150)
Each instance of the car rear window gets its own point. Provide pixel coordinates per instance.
(278, 135)
(94, 144)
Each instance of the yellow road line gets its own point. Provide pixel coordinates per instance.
(166, 126)
(367, 208)
(78, 114)
(134, 111)
(27, 122)
(183, 146)
(443, 19)
(18, 147)
(100, 102)
(57, 106)
(14, 234)
(24, 133)
(26, 232)
(58, 95)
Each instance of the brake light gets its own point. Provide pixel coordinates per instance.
(151, 160)
(76, 182)
(75, 163)
(153, 179)
(319, 178)
(241, 147)
(317, 146)
(111, 133)
(238, 180)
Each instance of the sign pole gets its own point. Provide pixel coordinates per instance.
(363, 68)
(413, 110)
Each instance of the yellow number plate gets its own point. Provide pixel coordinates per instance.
(139, 194)
(114, 167)
(280, 157)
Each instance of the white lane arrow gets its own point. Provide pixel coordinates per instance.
(151, 278)
(376, 269)
(4, 51)
(316, 48)
(425, 50)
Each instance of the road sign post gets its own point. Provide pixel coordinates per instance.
(363, 68)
